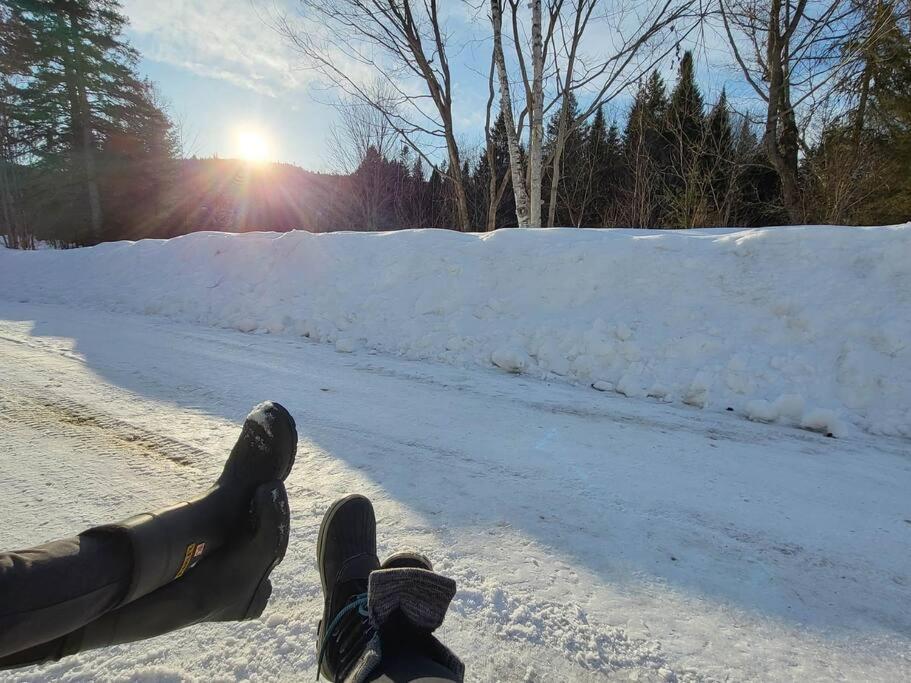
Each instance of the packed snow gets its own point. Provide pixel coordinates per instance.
(806, 326)
(643, 531)
(591, 536)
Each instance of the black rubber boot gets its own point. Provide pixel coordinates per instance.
(167, 543)
(346, 555)
(231, 584)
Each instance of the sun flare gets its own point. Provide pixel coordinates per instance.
(253, 145)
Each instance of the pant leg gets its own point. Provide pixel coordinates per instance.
(403, 666)
(53, 589)
(409, 657)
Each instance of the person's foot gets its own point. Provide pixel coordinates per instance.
(346, 555)
(265, 450)
(168, 543)
(236, 579)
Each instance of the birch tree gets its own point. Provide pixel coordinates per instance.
(641, 35)
(516, 162)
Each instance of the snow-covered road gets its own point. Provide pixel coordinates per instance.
(591, 535)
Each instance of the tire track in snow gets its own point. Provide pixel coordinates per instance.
(52, 414)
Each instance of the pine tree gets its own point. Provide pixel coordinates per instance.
(596, 152)
(504, 209)
(83, 97)
(436, 201)
(887, 121)
(719, 162)
(605, 151)
(16, 56)
(685, 176)
(646, 152)
(574, 187)
(137, 171)
(686, 119)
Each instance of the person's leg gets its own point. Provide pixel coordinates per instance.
(409, 655)
(378, 619)
(116, 564)
(232, 584)
(412, 666)
(59, 586)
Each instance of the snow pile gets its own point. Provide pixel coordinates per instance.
(809, 326)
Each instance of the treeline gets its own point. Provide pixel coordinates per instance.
(673, 162)
(88, 152)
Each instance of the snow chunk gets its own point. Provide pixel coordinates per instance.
(823, 420)
(697, 392)
(760, 410)
(789, 407)
(630, 385)
(623, 332)
(346, 345)
(510, 358)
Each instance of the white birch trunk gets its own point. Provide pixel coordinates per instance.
(512, 139)
(536, 132)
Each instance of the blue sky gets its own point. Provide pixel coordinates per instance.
(223, 70)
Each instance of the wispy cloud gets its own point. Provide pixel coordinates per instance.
(223, 39)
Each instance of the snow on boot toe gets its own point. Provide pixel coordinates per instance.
(265, 449)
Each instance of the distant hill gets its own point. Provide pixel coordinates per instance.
(236, 196)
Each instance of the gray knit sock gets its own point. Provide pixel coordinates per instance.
(422, 597)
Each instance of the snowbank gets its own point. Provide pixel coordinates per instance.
(808, 326)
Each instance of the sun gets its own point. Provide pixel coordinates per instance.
(252, 145)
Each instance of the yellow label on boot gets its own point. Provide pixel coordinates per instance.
(187, 558)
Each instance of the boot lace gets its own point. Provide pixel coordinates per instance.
(335, 633)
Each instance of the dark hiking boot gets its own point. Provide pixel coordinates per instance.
(167, 543)
(407, 559)
(346, 556)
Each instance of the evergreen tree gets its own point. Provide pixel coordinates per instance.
(16, 56)
(719, 162)
(137, 171)
(596, 152)
(646, 152)
(574, 186)
(884, 129)
(437, 209)
(505, 210)
(685, 177)
(84, 97)
(605, 151)
(686, 119)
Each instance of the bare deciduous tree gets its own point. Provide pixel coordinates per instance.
(358, 128)
(641, 37)
(404, 44)
(791, 53)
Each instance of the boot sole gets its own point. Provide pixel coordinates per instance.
(407, 559)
